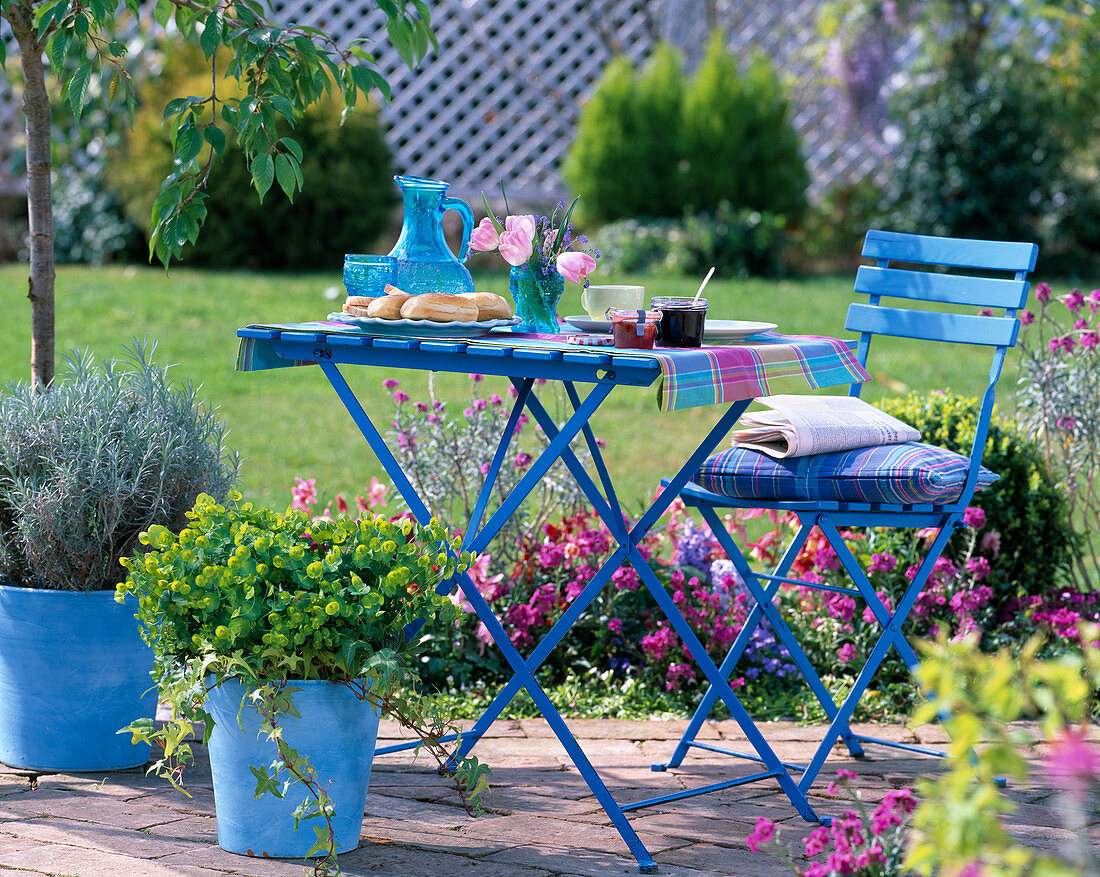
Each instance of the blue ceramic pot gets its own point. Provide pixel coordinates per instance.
(336, 732)
(73, 671)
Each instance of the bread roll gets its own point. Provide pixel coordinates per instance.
(489, 305)
(439, 307)
(357, 302)
(354, 311)
(393, 290)
(388, 307)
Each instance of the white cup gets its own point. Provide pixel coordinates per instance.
(597, 299)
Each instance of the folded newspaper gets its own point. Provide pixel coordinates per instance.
(801, 425)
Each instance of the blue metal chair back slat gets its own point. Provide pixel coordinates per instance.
(926, 300)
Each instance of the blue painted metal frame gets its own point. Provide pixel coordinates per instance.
(604, 372)
(870, 319)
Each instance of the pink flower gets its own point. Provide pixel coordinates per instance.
(391, 384)
(1042, 292)
(1089, 339)
(476, 378)
(764, 832)
(1074, 300)
(978, 567)
(400, 397)
(1073, 763)
(883, 562)
(522, 461)
(1027, 317)
(615, 625)
(341, 504)
(574, 267)
(1080, 323)
(303, 494)
(495, 399)
(991, 543)
(846, 653)
(376, 496)
(524, 224)
(974, 517)
(1068, 423)
(817, 842)
(514, 249)
(484, 238)
(1094, 300)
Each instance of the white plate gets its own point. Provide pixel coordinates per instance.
(587, 324)
(733, 330)
(422, 328)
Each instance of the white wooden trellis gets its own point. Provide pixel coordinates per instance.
(501, 97)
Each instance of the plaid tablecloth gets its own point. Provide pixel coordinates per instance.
(764, 365)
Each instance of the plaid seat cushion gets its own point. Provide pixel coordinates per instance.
(912, 472)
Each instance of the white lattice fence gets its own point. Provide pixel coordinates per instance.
(500, 98)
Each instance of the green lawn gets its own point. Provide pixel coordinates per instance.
(288, 422)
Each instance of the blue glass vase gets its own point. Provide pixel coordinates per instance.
(536, 292)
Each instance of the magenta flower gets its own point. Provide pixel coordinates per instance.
(974, 517)
(391, 384)
(1089, 339)
(1054, 344)
(422, 407)
(883, 562)
(761, 834)
(495, 399)
(1027, 317)
(846, 653)
(1068, 423)
(817, 841)
(522, 461)
(484, 238)
(1074, 300)
(615, 625)
(1094, 300)
(1042, 292)
(400, 397)
(978, 567)
(574, 267)
(480, 404)
(476, 378)
(1073, 763)
(1080, 323)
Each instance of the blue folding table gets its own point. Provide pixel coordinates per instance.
(727, 377)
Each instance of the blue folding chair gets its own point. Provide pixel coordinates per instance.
(905, 485)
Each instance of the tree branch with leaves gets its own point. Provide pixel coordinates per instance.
(284, 69)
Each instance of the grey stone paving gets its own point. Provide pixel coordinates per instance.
(542, 819)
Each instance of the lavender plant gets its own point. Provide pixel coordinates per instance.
(112, 449)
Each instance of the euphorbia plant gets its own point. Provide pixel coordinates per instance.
(246, 593)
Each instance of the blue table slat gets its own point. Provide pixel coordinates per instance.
(443, 346)
(396, 343)
(495, 352)
(257, 332)
(587, 357)
(349, 340)
(634, 362)
(305, 337)
(537, 354)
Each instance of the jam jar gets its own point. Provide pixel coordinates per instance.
(633, 328)
(682, 320)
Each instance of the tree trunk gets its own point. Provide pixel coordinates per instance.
(36, 110)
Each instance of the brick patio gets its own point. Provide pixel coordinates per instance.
(542, 819)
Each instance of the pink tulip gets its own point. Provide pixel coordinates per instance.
(574, 267)
(524, 225)
(484, 238)
(515, 248)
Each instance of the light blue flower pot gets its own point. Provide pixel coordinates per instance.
(336, 732)
(73, 671)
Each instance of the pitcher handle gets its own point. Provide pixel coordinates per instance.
(467, 224)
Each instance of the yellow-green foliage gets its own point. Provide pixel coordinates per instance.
(346, 202)
(958, 821)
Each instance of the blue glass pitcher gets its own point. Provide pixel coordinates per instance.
(422, 260)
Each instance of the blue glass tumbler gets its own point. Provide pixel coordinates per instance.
(367, 275)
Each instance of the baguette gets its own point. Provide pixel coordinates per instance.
(439, 307)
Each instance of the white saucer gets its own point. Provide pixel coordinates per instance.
(587, 324)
